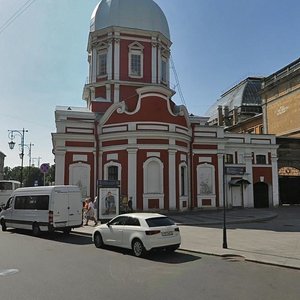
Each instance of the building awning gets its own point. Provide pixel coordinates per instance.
(238, 181)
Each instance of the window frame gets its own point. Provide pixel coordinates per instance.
(164, 65)
(136, 49)
(101, 53)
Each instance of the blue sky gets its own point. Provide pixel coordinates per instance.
(216, 44)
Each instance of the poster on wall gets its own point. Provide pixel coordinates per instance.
(108, 202)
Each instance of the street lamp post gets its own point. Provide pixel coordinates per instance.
(224, 205)
(12, 135)
(29, 146)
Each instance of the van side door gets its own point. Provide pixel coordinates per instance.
(60, 209)
(74, 208)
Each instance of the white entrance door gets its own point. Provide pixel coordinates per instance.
(236, 196)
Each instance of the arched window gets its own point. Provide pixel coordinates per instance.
(112, 171)
(153, 176)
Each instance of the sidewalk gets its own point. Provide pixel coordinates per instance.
(270, 236)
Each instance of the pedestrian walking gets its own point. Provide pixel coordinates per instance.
(90, 213)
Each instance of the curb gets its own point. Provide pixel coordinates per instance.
(246, 259)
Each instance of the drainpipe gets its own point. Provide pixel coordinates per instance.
(96, 123)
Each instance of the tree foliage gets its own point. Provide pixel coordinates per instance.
(31, 175)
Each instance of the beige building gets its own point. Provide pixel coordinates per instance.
(269, 105)
(281, 101)
(281, 116)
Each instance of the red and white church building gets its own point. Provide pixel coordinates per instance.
(130, 129)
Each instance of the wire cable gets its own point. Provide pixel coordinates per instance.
(17, 14)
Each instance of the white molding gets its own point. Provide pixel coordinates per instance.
(80, 157)
(153, 154)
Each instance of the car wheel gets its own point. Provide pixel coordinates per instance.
(138, 248)
(98, 241)
(3, 225)
(36, 229)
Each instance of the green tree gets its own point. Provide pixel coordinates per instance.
(31, 175)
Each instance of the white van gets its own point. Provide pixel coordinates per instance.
(6, 189)
(43, 208)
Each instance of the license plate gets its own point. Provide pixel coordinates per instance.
(167, 233)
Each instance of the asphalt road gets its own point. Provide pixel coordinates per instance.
(59, 267)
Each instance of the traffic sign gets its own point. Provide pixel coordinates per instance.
(44, 168)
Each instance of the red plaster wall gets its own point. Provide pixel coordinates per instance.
(261, 171)
(153, 109)
(124, 60)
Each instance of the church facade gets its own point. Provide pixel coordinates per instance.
(132, 132)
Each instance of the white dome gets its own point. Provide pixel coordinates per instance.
(137, 14)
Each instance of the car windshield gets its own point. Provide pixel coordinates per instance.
(160, 221)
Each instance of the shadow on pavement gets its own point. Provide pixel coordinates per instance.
(57, 236)
(177, 257)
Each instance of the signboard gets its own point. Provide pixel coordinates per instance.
(108, 203)
(108, 183)
(235, 170)
(108, 199)
(44, 168)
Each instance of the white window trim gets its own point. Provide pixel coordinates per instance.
(145, 167)
(99, 53)
(136, 49)
(109, 164)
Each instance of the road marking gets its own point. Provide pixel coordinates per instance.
(7, 272)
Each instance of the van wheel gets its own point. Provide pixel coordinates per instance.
(98, 241)
(3, 225)
(36, 229)
(138, 248)
(67, 231)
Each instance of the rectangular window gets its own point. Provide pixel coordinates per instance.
(261, 159)
(229, 158)
(113, 173)
(163, 70)
(102, 61)
(183, 180)
(135, 68)
(39, 202)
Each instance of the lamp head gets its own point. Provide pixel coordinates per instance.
(11, 145)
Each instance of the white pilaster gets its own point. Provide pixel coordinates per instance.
(275, 181)
(109, 60)
(117, 57)
(60, 167)
(154, 60)
(249, 196)
(94, 65)
(159, 63)
(117, 93)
